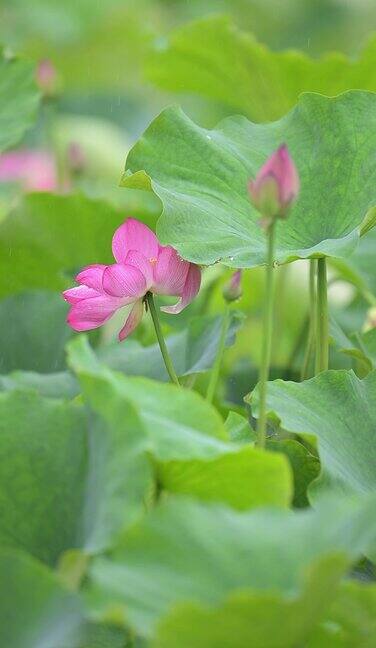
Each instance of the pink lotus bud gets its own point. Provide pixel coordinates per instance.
(370, 322)
(76, 157)
(276, 185)
(46, 77)
(232, 289)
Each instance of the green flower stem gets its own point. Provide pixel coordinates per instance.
(162, 344)
(312, 321)
(322, 333)
(267, 337)
(213, 381)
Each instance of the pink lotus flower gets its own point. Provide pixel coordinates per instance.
(276, 185)
(34, 170)
(142, 265)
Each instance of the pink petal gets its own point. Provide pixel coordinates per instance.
(133, 320)
(133, 235)
(190, 290)
(92, 276)
(74, 295)
(90, 313)
(170, 272)
(139, 261)
(125, 281)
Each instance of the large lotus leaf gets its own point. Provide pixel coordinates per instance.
(19, 99)
(66, 482)
(179, 423)
(50, 237)
(320, 617)
(33, 332)
(186, 438)
(201, 178)
(340, 410)
(35, 610)
(213, 58)
(184, 551)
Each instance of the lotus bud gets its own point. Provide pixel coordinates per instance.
(232, 289)
(47, 79)
(275, 187)
(76, 158)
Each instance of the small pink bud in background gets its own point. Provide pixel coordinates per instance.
(46, 78)
(34, 170)
(276, 186)
(232, 290)
(370, 322)
(76, 157)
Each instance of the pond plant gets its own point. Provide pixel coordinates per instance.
(188, 435)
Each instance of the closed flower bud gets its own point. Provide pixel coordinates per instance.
(275, 187)
(232, 289)
(47, 79)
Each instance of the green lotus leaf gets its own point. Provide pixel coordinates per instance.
(48, 238)
(67, 482)
(186, 552)
(215, 59)
(185, 436)
(339, 409)
(35, 610)
(201, 178)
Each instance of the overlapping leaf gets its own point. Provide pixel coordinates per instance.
(340, 410)
(201, 178)
(213, 58)
(215, 551)
(66, 483)
(192, 350)
(35, 610)
(186, 438)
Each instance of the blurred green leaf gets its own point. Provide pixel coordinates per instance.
(35, 610)
(50, 237)
(340, 410)
(262, 620)
(192, 350)
(207, 214)
(52, 385)
(244, 478)
(188, 552)
(213, 58)
(350, 619)
(179, 424)
(65, 484)
(33, 332)
(272, 621)
(19, 100)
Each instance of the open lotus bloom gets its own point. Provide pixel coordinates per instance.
(142, 265)
(33, 170)
(276, 185)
